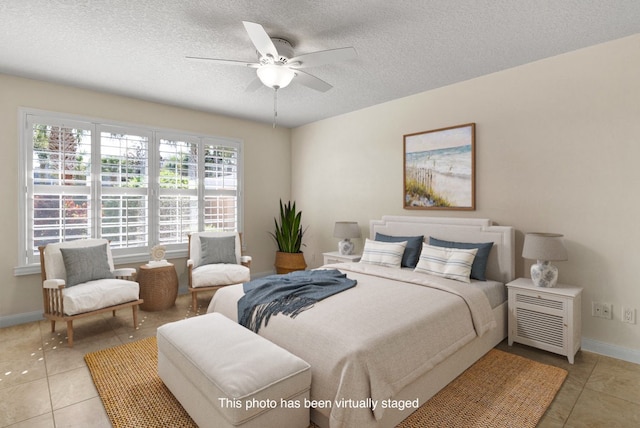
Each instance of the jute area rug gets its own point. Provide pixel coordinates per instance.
(499, 390)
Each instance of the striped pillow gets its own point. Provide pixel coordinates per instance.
(452, 263)
(383, 253)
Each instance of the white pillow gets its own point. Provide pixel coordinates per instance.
(383, 253)
(452, 263)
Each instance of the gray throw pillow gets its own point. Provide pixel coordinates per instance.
(85, 264)
(411, 251)
(482, 256)
(218, 249)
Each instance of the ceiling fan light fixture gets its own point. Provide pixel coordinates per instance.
(275, 76)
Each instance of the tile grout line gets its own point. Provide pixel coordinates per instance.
(581, 392)
(46, 372)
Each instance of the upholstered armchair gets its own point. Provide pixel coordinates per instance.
(79, 280)
(215, 260)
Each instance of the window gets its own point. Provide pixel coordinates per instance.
(135, 186)
(179, 187)
(124, 188)
(59, 192)
(220, 184)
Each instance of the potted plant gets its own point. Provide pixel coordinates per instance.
(288, 235)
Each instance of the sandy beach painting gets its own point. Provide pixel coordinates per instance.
(439, 169)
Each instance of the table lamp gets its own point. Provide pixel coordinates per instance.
(346, 230)
(545, 248)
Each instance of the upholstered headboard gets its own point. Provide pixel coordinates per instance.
(501, 263)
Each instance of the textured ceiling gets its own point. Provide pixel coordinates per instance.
(137, 48)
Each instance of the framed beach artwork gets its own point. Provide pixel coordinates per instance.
(439, 169)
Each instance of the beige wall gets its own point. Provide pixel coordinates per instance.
(266, 156)
(557, 150)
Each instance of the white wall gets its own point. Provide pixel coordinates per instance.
(266, 156)
(557, 150)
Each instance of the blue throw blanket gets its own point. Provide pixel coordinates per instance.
(288, 294)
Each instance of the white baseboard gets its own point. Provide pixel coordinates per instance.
(603, 348)
(9, 320)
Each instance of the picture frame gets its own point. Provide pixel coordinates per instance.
(439, 169)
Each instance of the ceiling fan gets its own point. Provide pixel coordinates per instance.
(277, 67)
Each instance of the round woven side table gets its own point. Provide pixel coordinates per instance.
(158, 287)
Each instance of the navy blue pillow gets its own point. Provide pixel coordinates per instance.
(479, 266)
(411, 251)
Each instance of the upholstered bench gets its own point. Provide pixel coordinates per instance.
(224, 375)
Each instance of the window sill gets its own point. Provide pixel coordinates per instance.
(34, 269)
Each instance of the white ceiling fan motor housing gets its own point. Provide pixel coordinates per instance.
(285, 52)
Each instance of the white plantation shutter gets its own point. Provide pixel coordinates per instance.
(221, 186)
(130, 184)
(178, 189)
(198, 187)
(59, 205)
(124, 187)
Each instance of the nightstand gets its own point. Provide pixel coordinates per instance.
(545, 318)
(336, 257)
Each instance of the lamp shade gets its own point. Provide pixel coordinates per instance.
(275, 76)
(346, 229)
(544, 246)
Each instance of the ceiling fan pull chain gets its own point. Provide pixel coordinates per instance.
(275, 105)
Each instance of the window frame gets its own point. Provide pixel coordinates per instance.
(29, 264)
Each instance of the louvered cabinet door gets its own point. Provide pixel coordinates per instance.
(546, 318)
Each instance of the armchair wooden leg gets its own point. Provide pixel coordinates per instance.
(53, 326)
(135, 316)
(194, 300)
(114, 313)
(70, 333)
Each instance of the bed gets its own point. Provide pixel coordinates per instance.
(382, 348)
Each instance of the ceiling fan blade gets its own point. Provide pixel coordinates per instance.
(310, 81)
(254, 85)
(226, 61)
(260, 39)
(322, 57)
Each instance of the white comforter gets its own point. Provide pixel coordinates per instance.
(369, 342)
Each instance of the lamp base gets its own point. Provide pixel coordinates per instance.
(345, 247)
(544, 274)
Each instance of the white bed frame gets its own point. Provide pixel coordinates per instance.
(500, 267)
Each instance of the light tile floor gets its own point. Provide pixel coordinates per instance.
(45, 384)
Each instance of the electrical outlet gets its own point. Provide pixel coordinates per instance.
(628, 315)
(606, 311)
(601, 310)
(596, 309)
